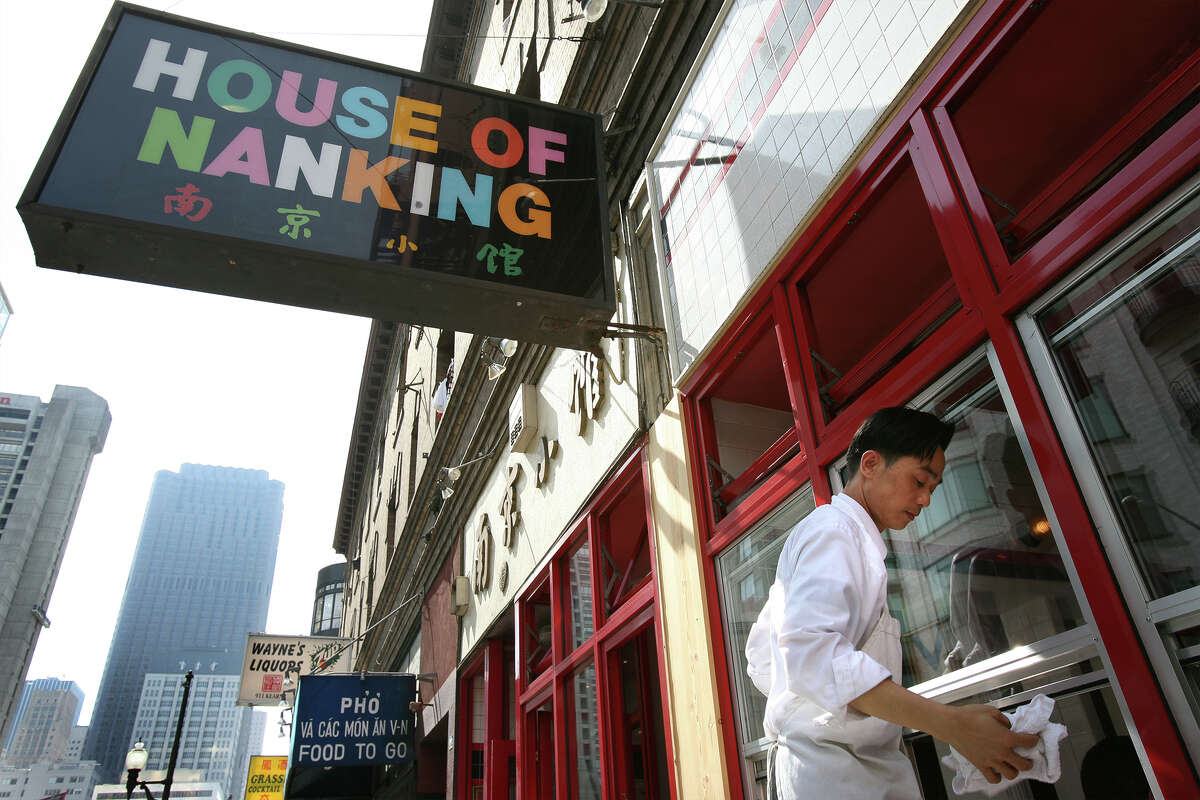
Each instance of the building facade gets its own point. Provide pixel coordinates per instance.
(75, 743)
(200, 581)
(46, 450)
(985, 209)
(184, 790)
(327, 602)
(66, 780)
(218, 735)
(43, 723)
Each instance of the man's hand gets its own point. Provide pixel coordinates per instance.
(981, 734)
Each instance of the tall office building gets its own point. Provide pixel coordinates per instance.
(200, 581)
(46, 450)
(41, 727)
(217, 736)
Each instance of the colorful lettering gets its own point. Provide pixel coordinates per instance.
(155, 64)
(320, 173)
(185, 203)
(404, 124)
(538, 213)
(245, 155)
(187, 147)
(360, 176)
(539, 153)
(289, 90)
(513, 151)
(476, 203)
(362, 102)
(260, 86)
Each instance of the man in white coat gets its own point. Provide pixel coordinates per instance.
(826, 652)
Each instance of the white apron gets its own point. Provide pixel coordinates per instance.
(860, 758)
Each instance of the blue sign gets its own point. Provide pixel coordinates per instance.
(348, 720)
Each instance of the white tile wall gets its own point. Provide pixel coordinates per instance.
(724, 224)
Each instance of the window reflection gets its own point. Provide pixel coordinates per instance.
(1097, 757)
(1131, 330)
(587, 734)
(578, 587)
(978, 572)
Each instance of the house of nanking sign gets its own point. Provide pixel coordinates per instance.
(209, 159)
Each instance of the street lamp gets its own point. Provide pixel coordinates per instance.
(135, 760)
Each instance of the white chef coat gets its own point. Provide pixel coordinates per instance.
(806, 653)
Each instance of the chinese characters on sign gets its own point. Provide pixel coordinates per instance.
(187, 203)
(510, 515)
(508, 255)
(587, 389)
(483, 555)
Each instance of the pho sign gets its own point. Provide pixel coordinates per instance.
(209, 159)
(348, 720)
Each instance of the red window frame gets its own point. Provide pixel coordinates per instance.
(637, 614)
(920, 129)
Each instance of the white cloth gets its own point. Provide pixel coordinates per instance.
(1033, 717)
(807, 652)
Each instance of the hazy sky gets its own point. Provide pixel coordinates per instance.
(188, 377)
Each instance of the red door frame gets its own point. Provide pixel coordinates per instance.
(923, 130)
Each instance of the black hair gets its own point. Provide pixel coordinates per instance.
(897, 432)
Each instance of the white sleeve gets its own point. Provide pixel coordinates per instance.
(822, 596)
(759, 653)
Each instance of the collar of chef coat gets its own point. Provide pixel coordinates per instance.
(848, 505)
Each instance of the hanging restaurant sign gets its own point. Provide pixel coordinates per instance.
(350, 720)
(204, 158)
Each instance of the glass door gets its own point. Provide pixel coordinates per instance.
(1116, 350)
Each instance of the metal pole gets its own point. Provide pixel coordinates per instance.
(187, 688)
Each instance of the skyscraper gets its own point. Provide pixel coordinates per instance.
(200, 581)
(41, 727)
(46, 450)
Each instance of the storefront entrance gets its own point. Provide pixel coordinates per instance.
(570, 705)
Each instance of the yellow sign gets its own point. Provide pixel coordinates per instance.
(265, 781)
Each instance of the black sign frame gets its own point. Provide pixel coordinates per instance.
(108, 245)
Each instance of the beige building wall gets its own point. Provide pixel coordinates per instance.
(695, 716)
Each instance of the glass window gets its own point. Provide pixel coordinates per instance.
(586, 729)
(578, 591)
(623, 538)
(1098, 758)
(745, 572)
(1131, 328)
(978, 572)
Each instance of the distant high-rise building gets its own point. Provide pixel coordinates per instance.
(217, 734)
(46, 450)
(75, 743)
(200, 581)
(327, 607)
(41, 728)
(67, 780)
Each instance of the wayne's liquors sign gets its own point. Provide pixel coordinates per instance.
(210, 159)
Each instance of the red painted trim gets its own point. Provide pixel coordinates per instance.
(782, 448)
(1154, 723)
(1170, 159)
(765, 498)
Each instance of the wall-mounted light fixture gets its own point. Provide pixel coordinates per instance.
(495, 353)
(451, 474)
(593, 10)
